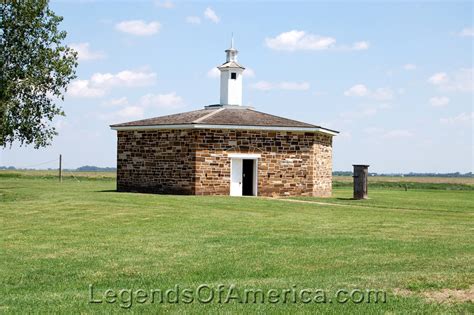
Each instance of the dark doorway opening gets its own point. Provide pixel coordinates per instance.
(247, 177)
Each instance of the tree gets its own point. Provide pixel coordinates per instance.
(35, 69)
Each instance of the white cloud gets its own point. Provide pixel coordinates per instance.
(396, 134)
(122, 101)
(360, 90)
(170, 100)
(150, 100)
(294, 86)
(357, 90)
(82, 88)
(211, 15)
(438, 78)
(458, 81)
(85, 53)
(193, 20)
(361, 45)
(130, 112)
(382, 94)
(285, 85)
(249, 72)
(295, 40)
(136, 110)
(373, 130)
(461, 118)
(439, 101)
(263, 86)
(167, 4)
(100, 83)
(215, 73)
(462, 80)
(299, 40)
(138, 27)
(208, 14)
(126, 78)
(362, 113)
(409, 66)
(467, 32)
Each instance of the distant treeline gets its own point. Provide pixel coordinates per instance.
(411, 174)
(91, 168)
(85, 168)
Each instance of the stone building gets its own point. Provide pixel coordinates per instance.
(225, 149)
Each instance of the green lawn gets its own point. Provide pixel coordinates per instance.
(56, 239)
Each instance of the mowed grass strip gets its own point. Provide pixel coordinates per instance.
(416, 199)
(56, 239)
(410, 179)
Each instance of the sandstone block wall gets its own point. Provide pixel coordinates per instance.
(291, 164)
(155, 161)
(197, 162)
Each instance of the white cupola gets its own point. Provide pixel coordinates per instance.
(231, 78)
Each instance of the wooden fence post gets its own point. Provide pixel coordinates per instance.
(60, 168)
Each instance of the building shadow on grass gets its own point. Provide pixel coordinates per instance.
(143, 192)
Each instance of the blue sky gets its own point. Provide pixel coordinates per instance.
(395, 79)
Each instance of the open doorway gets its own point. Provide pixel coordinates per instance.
(243, 174)
(248, 177)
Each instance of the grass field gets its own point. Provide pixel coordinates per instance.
(54, 174)
(57, 239)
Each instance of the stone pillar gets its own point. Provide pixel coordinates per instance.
(360, 181)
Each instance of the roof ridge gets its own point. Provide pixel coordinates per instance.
(299, 121)
(164, 116)
(207, 115)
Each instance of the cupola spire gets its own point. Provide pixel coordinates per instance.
(231, 53)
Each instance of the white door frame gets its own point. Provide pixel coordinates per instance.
(244, 156)
(236, 178)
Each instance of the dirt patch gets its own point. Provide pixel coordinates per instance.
(450, 295)
(443, 296)
(403, 292)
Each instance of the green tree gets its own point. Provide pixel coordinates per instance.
(35, 69)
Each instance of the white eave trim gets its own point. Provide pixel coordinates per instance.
(234, 127)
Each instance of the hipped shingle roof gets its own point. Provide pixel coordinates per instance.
(221, 115)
